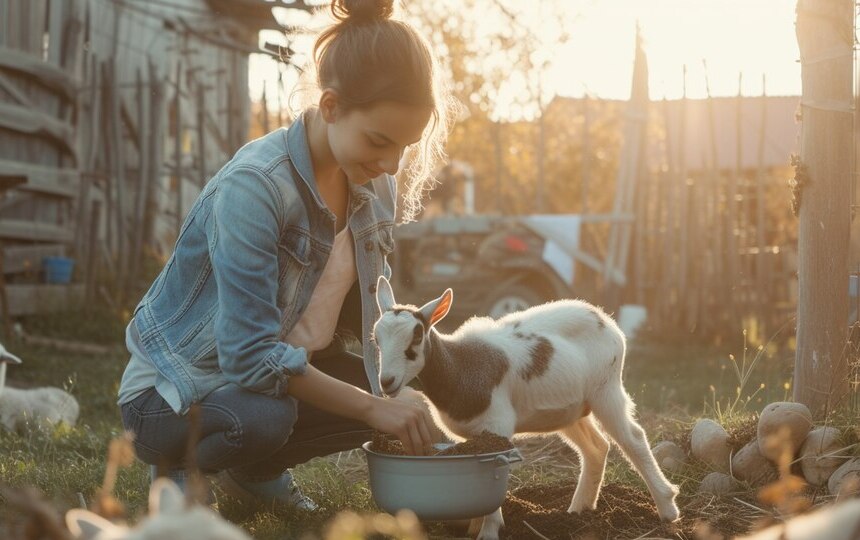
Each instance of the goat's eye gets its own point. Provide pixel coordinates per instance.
(417, 334)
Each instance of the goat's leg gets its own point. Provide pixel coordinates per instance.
(592, 448)
(491, 525)
(502, 422)
(614, 410)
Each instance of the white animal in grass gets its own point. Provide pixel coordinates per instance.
(551, 368)
(169, 517)
(34, 406)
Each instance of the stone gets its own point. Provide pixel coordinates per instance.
(709, 442)
(750, 466)
(782, 428)
(717, 483)
(845, 480)
(669, 456)
(816, 464)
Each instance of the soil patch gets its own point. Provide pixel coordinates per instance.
(485, 443)
(622, 512)
(743, 433)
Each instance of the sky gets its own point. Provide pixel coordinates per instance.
(755, 38)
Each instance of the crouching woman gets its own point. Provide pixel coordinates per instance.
(284, 246)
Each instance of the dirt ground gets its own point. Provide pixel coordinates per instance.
(622, 512)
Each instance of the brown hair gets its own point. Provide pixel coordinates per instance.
(369, 57)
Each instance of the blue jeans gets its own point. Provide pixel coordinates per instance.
(256, 436)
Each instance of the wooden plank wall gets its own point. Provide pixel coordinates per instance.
(717, 245)
(100, 137)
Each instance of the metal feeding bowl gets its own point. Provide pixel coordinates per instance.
(440, 488)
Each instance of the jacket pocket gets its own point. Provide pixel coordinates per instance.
(199, 342)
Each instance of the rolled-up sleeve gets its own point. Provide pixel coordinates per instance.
(243, 246)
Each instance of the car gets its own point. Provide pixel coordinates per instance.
(495, 265)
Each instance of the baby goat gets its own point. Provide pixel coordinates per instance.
(38, 406)
(169, 517)
(542, 370)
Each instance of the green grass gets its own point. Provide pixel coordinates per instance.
(671, 384)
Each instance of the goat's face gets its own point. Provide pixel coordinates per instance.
(401, 333)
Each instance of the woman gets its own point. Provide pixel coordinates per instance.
(283, 246)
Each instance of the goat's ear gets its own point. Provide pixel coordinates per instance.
(86, 525)
(435, 310)
(165, 497)
(384, 294)
(6, 356)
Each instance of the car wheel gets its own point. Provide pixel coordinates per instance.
(515, 298)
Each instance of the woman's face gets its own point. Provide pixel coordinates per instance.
(368, 142)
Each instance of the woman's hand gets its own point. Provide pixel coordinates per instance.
(405, 419)
(408, 422)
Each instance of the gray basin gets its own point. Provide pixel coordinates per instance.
(440, 488)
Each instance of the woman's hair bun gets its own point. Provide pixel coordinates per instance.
(362, 10)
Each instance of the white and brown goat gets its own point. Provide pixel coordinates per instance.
(551, 368)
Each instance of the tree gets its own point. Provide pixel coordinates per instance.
(825, 35)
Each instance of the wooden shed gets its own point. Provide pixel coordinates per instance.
(113, 115)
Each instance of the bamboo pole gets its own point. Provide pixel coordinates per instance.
(825, 36)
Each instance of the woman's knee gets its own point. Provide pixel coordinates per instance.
(260, 421)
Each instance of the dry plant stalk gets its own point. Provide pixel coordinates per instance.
(785, 494)
(120, 454)
(197, 491)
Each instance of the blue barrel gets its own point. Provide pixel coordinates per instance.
(58, 269)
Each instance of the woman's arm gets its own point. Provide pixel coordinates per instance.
(409, 423)
(243, 230)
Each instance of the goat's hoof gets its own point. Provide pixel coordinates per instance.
(578, 508)
(671, 514)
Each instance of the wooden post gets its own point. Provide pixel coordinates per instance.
(761, 279)
(668, 276)
(201, 133)
(92, 252)
(109, 153)
(586, 153)
(177, 147)
(264, 105)
(684, 199)
(118, 177)
(143, 127)
(156, 149)
(825, 36)
(7, 324)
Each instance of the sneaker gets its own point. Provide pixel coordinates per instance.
(280, 492)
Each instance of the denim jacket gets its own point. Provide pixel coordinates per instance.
(245, 264)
